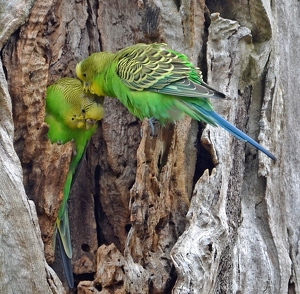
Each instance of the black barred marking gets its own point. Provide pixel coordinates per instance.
(143, 66)
(158, 68)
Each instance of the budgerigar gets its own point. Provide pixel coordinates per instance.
(71, 114)
(155, 81)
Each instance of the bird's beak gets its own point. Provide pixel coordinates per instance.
(81, 124)
(90, 123)
(86, 87)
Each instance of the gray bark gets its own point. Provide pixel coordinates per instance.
(191, 210)
(23, 266)
(237, 236)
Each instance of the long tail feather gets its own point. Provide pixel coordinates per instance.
(65, 246)
(232, 129)
(63, 228)
(66, 261)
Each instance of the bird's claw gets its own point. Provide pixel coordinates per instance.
(151, 120)
(74, 152)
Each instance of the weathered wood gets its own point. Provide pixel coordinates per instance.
(22, 263)
(26, 57)
(229, 239)
(190, 210)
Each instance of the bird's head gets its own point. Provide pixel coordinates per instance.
(76, 122)
(85, 75)
(89, 70)
(82, 75)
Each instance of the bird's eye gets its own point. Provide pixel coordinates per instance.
(72, 118)
(83, 110)
(84, 75)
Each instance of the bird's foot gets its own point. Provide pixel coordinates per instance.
(151, 122)
(74, 152)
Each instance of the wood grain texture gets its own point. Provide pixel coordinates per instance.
(191, 209)
(22, 264)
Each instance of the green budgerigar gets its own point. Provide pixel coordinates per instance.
(155, 81)
(72, 115)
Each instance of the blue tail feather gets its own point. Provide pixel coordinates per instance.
(233, 130)
(66, 261)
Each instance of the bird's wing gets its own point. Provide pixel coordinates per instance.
(158, 68)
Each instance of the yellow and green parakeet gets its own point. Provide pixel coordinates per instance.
(155, 81)
(71, 115)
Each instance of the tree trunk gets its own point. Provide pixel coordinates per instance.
(189, 210)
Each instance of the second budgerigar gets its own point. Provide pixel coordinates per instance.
(71, 115)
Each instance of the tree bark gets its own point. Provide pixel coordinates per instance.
(189, 210)
(22, 264)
